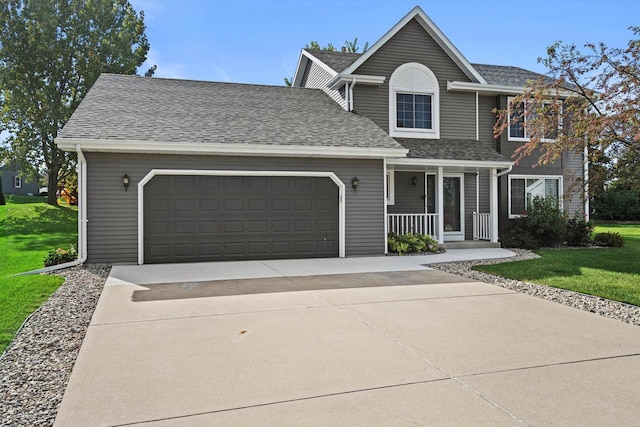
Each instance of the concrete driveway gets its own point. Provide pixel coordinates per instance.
(256, 344)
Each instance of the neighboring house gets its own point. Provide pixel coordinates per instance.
(399, 138)
(13, 182)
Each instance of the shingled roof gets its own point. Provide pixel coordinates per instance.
(336, 60)
(143, 109)
(449, 149)
(506, 75)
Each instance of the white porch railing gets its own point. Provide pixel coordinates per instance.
(413, 223)
(481, 226)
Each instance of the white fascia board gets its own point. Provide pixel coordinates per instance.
(450, 162)
(125, 146)
(487, 89)
(302, 62)
(435, 32)
(341, 79)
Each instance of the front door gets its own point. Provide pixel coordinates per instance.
(453, 209)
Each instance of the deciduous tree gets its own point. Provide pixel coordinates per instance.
(589, 99)
(51, 53)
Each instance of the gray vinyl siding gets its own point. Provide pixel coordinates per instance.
(407, 198)
(113, 213)
(485, 191)
(573, 182)
(316, 77)
(486, 120)
(469, 204)
(413, 44)
(569, 166)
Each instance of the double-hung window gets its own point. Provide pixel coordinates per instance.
(414, 102)
(17, 182)
(414, 111)
(520, 115)
(524, 188)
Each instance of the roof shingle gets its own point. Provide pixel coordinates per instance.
(336, 60)
(450, 149)
(506, 75)
(183, 111)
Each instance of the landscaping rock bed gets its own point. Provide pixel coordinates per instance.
(36, 366)
(604, 307)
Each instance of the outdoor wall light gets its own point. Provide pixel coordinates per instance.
(354, 183)
(414, 180)
(125, 181)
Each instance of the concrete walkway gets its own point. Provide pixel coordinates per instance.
(383, 347)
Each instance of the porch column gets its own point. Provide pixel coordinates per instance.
(493, 183)
(439, 191)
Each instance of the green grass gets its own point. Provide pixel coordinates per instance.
(612, 273)
(29, 229)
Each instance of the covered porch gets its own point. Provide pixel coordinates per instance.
(452, 201)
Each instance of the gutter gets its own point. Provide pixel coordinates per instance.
(506, 171)
(82, 221)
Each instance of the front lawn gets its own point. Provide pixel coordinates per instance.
(612, 273)
(30, 228)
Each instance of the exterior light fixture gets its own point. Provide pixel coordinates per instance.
(125, 181)
(414, 180)
(354, 183)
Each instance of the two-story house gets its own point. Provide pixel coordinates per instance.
(399, 138)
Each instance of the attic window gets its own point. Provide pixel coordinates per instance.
(414, 101)
(17, 182)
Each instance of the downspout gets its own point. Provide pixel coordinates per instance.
(506, 171)
(350, 103)
(346, 96)
(82, 220)
(585, 181)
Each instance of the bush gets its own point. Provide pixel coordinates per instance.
(613, 240)
(617, 205)
(543, 224)
(579, 230)
(407, 243)
(60, 256)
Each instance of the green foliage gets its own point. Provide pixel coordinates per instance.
(51, 53)
(543, 224)
(29, 228)
(60, 256)
(609, 239)
(579, 230)
(618, 205)
(408, 243)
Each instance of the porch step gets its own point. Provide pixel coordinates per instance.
(471, 244)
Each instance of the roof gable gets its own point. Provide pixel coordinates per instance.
(437, 35)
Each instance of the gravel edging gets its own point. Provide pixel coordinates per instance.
(604, 307)
(36, 366)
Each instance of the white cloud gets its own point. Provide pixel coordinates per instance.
(222, 75)
(170, 70)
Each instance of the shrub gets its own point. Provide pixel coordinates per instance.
(543, 224)
(406, 243)
(579, 230)
(60, 256)
(613, 240)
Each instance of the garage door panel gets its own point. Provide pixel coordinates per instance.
(206, 218)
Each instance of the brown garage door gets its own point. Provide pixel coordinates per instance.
(213, 218)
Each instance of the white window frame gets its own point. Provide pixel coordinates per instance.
(391, 193)
(17, 182)
(415, 79)
(526, 138)
(559, 178)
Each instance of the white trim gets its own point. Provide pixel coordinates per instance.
(493, 203)
(493, 89)
(341, 79)
(450, 163)
(136, 146)
(526, 138)
(560, 179)
(385, 205)
(17, 181)
(195, 172)
(390, 191)
(585, 182)
(403, 80)
(437, 35)
(440, 205)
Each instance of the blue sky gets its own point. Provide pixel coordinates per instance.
(253, 41)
